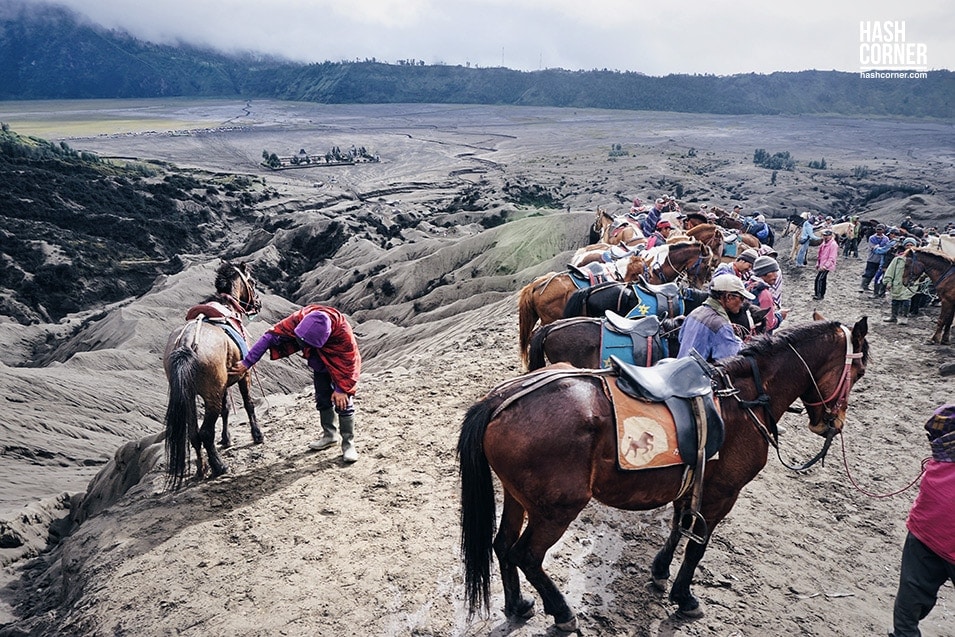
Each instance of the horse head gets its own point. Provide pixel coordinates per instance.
(837, 367)
(913, 269)
(234, 282)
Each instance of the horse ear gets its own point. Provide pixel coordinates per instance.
(816, 316)
(859, 330)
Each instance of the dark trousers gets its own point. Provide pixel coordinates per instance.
(922, 574)
(821, 283)
(323, 393)
(900, 308)
(851, 247)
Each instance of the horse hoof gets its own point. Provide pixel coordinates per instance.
(568, 626)
(691, 613)
(524, 609)
(220, 471)
(225, 443)
(258, 438)
(659, 583)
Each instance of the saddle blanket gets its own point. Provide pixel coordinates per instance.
(646, 433)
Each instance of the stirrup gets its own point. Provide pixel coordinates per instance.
(686, 530)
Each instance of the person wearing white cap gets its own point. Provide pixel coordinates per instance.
(708, 329)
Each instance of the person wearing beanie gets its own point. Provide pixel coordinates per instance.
(765, 273)
(741, 267)
(323, 336)
(707, 329)
(825, 263)
(928, 554)
(894, 281)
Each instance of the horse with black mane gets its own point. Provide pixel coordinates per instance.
(552, 461)
(940, 268)
(197, 359)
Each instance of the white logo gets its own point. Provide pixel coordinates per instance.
(882, 46)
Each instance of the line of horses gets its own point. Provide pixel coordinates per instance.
(550, 435)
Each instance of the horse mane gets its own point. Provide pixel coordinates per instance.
(225, 275)
(934, 252)
(768, 343)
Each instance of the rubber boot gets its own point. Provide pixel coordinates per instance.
(346, 425)
(330, 435)
(866, 280)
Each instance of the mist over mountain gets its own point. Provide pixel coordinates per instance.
(49, 52)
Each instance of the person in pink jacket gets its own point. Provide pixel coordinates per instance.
(825, 263)
(928, 555)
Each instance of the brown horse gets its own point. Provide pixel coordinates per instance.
(544, 298)
(940, 268)
(550, 437)
(197, 361)
(598, 229)
(710, 235)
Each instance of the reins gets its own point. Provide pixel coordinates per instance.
(858, 488)
(770, 432)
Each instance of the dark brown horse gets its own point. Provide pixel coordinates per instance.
(940, 268)
(544, 298)
(577, 341)
(197, 360)
(550, 437)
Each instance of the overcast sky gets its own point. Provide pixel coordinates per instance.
(658, 38)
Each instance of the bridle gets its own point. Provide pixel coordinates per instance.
(692, 269)
(840, 395)
(247, 307)
(836, 402)
(913, 274)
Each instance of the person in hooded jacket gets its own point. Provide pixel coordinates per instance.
(324, 337)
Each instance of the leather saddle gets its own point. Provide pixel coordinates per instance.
(668, 296)
(591, 274)
(643, 335)
(676, 382)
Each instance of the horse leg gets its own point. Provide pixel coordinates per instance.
(528, 553)
(512, 518)
(944, 328)
(257, 437)
(660, 569)
(714, 508)
(225, 440)
(207, 437)
(197, 447)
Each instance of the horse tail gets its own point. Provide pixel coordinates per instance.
(181, 411)
(536, 351)
(526, 318)
(477, 505)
